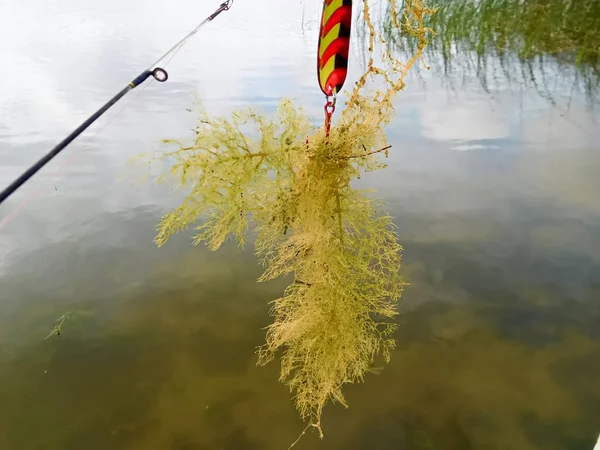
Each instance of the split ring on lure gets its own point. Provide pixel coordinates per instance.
(334, 45)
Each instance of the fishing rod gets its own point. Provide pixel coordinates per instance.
(159, 74)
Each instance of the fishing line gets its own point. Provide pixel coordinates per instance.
(158, 73)
(224, 7)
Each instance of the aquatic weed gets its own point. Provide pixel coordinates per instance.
(339, 245)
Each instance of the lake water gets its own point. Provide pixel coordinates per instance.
(495, 196)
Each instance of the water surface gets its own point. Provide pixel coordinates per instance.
(495, 195)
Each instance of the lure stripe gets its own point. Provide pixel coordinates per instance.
(337, 47)
(331, 6)
(328, 39)
(334, 45)
(339, 16)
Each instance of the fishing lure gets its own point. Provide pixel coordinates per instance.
(334, 45)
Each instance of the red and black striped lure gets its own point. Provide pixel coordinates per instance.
(334, 45)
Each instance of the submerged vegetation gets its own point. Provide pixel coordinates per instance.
(58, 327)
(71, 316)
(250, 171)
(520, 38)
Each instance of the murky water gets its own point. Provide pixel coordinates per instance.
(496, 199)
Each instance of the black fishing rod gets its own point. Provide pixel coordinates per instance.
(157, 73)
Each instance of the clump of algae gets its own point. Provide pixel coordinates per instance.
(338, 244)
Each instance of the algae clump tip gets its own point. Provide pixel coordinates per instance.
(294, 192)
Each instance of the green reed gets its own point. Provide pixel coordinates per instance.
(533, 41)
